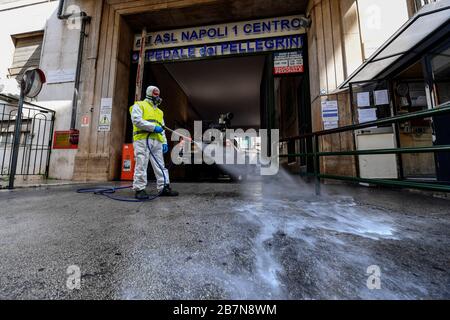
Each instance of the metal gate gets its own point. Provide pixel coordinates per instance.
(35, 141)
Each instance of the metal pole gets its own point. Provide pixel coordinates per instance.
(17, 130)
(316, 164)
(141, 66)
(76, 90)
(50, 143)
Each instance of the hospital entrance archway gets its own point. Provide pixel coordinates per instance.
(262, 82)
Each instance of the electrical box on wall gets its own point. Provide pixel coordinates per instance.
(377, 166)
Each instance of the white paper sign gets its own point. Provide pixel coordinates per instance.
(104, 121)
(330, 111)
(60, 76)
(288, 62)
(332, 105)
(367, 115)
(330, 125)
(363, 99)
(381, 97)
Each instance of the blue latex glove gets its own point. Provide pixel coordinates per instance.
(158, 129)
(165, 148)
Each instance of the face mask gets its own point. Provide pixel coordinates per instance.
(156, 101)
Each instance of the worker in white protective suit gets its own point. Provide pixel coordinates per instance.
(147, 119)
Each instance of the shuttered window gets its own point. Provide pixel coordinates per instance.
(27, 53)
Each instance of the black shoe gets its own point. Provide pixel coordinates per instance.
(168, 192)
(142, 195)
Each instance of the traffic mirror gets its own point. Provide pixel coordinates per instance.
(32, 81)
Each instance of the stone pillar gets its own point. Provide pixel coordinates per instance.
(106, 65)
(334, 50)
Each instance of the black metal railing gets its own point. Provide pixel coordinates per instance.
(35, 142)
(316, 154)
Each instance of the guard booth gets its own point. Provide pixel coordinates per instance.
(409, 73)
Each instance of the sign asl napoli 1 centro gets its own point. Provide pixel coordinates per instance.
(249, 37)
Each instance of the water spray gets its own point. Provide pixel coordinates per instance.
(184, 137)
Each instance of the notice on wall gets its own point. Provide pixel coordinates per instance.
(363, 99)
(330, 114)
(330, 125)
(330, 111)
(381, 97)
(288, 62)
(367, 115)
(60, 76)
(104, 122)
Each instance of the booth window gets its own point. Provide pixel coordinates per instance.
(440, 65)
(27, 53)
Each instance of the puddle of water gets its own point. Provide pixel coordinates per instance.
(294, 217)
(274, 207)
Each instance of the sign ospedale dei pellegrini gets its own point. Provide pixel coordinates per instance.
(273, 34)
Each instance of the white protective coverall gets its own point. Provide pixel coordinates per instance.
(142, 154)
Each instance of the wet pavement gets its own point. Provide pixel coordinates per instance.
(260, 240)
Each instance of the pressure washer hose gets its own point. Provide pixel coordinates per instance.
(110, 191)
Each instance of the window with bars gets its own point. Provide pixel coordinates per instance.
(7, 133)
(7, 139)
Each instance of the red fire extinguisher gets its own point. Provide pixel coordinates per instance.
(128, 163)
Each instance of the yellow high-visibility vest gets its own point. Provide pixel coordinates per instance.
(151, 114)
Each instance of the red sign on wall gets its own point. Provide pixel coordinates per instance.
(61, 141)
(85, 121)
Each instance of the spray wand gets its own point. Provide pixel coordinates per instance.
(184, 137)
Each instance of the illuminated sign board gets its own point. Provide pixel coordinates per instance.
(272, 34)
